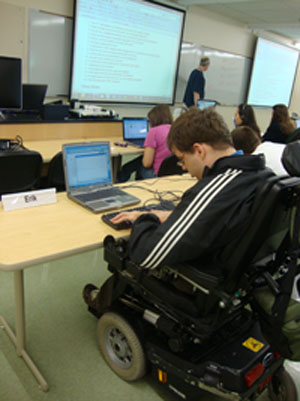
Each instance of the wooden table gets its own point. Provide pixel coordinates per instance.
(69, 129)
(49, 148)
(47, 137)
(41, 234)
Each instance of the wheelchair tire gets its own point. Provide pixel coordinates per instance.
(282, 387)
(121, 347)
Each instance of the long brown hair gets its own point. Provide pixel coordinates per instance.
(247, 116)
(160, 114)
(281, 116)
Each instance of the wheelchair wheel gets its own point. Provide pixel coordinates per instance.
(282, 387)
(121, 347)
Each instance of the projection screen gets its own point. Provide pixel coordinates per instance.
(125, 51)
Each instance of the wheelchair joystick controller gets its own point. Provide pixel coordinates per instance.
(115, 252)
(122, 246)
(109, 241)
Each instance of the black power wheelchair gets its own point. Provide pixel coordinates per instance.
(204, 336)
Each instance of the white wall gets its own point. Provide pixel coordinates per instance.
(14, 17)
(218, 32)
(201, 27)
(61, 7)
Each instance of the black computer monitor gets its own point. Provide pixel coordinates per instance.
(33, 96)
(10, 83)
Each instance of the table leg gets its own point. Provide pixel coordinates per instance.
(19, 338)
(116, 166)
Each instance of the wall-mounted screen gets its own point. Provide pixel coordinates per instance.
(10, 83)
(273, 74)
(125, 51)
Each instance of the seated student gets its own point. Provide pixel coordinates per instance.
(244, 116)
(210, 212)
(281, 125)
(155, 146)
(245, 139)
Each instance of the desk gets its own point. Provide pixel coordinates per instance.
(47, 137)
(75, 129)
(49, 148)
(41, 234)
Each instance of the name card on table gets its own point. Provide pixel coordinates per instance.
(23, 200)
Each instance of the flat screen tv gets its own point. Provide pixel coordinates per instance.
(10, 83)
(273, 74)
(125, 51)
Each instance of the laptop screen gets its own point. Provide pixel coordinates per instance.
(135, 128)
(87, 164)
(33, 96)
(204, 104)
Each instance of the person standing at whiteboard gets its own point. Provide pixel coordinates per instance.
(196, 84)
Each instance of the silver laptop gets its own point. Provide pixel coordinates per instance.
(135, 130)
(88, 177)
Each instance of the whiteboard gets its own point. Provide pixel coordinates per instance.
(50, 46)
(227, 77)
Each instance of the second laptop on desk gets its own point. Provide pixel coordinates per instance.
(88, 177)
(135, 130)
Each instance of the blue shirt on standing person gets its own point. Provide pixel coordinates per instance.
(196, 84)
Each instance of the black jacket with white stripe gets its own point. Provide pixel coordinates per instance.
(208, 217)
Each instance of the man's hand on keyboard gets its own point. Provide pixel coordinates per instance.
(125, 216)
(132, 216)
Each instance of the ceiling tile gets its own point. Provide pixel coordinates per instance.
(284, 13)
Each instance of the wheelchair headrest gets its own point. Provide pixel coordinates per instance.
(291, 158)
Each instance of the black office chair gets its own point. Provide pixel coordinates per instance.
(169, 166)
(56, 176)
(19, 171)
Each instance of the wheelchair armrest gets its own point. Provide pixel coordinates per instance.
(202, 276)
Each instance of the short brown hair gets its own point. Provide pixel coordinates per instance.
(245, 139)
(160, 114)
(199, 126)
(204, 61)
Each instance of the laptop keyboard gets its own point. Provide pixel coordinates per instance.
(102, 194)
(127, 224)
(136, 143)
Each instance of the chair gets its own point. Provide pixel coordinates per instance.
(56, 176)
(19, 171)
(169, 166)
(229, 272)
(192, 335)
(290, 157)
(294, 136)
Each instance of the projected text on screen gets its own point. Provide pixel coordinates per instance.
(125, 51)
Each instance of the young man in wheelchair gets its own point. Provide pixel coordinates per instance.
(207, 336)
(216, 206)
(211, 212)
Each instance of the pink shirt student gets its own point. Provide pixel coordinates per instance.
(157, 139)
